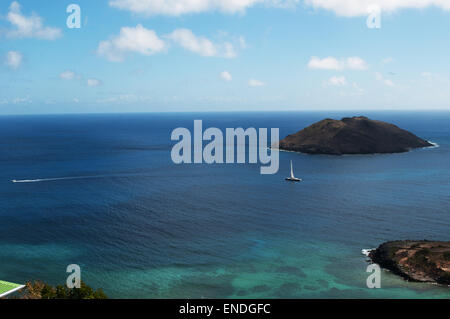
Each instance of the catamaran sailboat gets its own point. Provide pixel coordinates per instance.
(292, 178)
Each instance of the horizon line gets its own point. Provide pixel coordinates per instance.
(230, 111)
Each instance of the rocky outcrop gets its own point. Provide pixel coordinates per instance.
(421, 261)
(356, 135)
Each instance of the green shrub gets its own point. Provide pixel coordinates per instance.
(40, 290)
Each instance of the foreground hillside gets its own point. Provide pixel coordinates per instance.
(423, 261)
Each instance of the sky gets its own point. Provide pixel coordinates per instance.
(224, 55)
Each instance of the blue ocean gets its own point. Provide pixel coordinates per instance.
(102, 192)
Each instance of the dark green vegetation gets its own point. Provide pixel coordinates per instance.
(41, 290)
(356, 135)
(423, 261)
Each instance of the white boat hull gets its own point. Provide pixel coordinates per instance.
(292, 178)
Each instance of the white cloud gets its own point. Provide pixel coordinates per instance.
(17, 100)
(356, 63)
(21, 100)
(358, 90)
(427, 75)
(131, 40)
(383, 80)
(387, 60)
(147, 42)
(353, 91)
(180, 7)
(93, 82)
(201, 45)
(13, 59)
(29, 27)
(256, 83)
(346, 8)
(353, 8)
(68, 75)
(124, 99)
(337, 81)
(226, 76)
(331, 63)
(242, 42)
(435, 80)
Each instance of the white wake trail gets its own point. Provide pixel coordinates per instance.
(49, 179)
(64, 178)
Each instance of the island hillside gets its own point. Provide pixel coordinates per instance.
(356, 135)
(421, 261)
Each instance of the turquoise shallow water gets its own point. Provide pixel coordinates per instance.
(142, 227)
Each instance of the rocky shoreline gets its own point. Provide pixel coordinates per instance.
(418, 261)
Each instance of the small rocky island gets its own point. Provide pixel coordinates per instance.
(420, 261)
(356, 135)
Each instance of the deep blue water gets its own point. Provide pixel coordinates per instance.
(141, 226)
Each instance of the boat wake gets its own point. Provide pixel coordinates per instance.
(65, 178)
(27, 180)
(50, 179)
(434, 144)
(366, 252)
